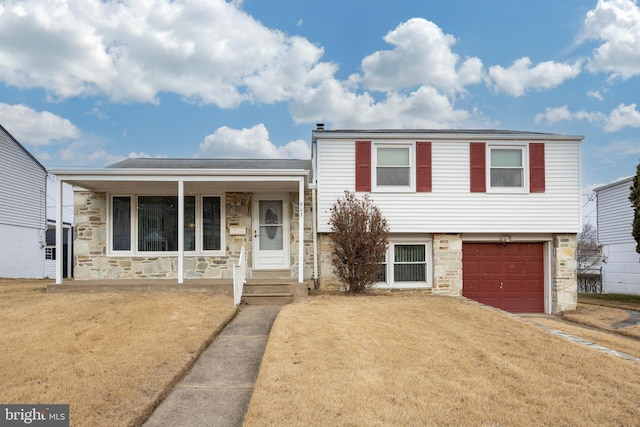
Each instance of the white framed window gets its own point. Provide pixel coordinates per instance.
(507, 168)
(394, 170)
(148, 224)
(407, 265)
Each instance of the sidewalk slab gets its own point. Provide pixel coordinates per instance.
(218, 388)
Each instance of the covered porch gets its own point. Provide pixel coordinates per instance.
(221, 207)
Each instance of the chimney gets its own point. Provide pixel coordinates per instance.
(319, 126)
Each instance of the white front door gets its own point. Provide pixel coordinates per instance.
(270, 231)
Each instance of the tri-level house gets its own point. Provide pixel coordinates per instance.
(491, 215)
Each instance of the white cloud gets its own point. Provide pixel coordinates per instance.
(595, 94)
(558, 114)
(620, 117)
(520, 77)
(553, 115)
(623, 116)
(333, 102)
(208, 51)
(616, 23)
(422, 55)
(36, 128)
(254, 142)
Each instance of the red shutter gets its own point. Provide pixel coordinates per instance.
(423, 166)
(478, 172)
(363, 165)
(536, 167)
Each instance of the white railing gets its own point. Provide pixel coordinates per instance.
(239, 277)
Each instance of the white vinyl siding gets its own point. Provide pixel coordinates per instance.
(450, 207)
(22, 187)
(621, 271)
(615, 214)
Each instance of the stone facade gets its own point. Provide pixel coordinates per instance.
(564, 272)
(448, 268)
(447, 264)
(91, 261)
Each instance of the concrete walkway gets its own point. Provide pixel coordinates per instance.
(218, 388)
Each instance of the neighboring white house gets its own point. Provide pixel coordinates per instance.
(621, 262)
(22, 210)
(492, 215)
(51, 253)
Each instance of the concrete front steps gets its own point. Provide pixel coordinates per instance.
(272, 287)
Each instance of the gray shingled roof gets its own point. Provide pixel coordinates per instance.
(436, 131)
(248, 164)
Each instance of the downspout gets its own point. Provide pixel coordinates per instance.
(314, 220)
(314, 207)
(180, 231)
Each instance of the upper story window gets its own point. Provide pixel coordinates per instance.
(154, 226)
(393, 166)
(506, 167)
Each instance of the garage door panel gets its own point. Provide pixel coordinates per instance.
(518, 267)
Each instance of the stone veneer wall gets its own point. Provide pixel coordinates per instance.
(564, 273)
(327, 279)
(447, 264)
(90, 246)
(308, 234)
(447, 268)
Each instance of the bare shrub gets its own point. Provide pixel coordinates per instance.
(359, 241)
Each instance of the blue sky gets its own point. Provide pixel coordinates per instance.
(86, 84)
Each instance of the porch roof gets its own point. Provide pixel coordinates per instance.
(198, 175)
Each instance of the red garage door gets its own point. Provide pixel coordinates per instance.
(507, 276)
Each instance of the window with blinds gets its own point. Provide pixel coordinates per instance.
(156, 223)
(406, 264)
(409, 263)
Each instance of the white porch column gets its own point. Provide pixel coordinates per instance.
(180, 231)
(300, 230)
(69, 249)
(59, 231)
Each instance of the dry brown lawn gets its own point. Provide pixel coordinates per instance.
(602, 317)
(415, 359)
(111, 356)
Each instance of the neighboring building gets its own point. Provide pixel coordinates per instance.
(620, 261)
(492, 215)
(22, 211)
(51, 253)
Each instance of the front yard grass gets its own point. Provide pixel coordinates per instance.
(414, 359)
(605, 311)
(110, 356)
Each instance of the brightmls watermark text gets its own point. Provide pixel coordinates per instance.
(34, 415)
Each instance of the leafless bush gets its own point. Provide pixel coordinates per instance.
(359, 241)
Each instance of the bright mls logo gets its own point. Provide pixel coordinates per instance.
(34, 415)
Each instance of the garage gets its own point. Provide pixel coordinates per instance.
(509, 276)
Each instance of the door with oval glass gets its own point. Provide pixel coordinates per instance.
(270, 231)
